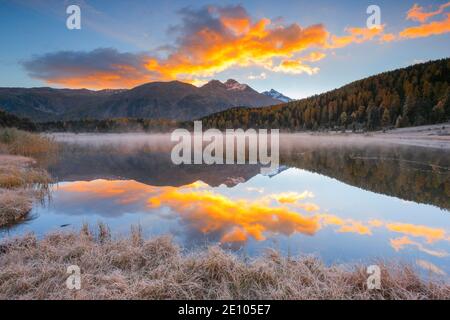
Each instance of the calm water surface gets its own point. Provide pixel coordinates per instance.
(344, 201)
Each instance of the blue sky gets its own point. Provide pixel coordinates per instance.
(36, 43)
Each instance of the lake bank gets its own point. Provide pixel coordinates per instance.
(432, 136)
(133, 268)
(22, 181)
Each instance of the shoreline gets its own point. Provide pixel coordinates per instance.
(429, 136)
(21, 185)
(22, 180)
(158, 269)
(432, 136)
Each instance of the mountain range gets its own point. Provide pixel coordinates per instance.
(156, 100)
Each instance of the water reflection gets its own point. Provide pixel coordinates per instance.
(343, 201)
(235, 218)
(411, 173)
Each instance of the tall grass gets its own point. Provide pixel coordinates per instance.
(134, 268)
(14, 206)
(24, 143)
(21, 180)
(22, 176)
(20, 184)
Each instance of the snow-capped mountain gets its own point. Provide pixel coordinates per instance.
(277, 95)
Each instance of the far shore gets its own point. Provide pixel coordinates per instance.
(431, 136)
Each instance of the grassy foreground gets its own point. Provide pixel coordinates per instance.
(21, 180)
(134, 268)
(23, 143)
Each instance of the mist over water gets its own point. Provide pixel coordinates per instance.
(343, 199)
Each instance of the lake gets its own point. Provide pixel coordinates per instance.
(345, 200)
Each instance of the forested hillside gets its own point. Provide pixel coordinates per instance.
(417, 95)
(9, 121)
(110, 125)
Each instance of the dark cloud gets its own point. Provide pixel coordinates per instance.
(193, 21)
(108, 65)
(57, 64)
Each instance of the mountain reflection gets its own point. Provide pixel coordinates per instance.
(235, 218)
(200, 207)
(411, 173)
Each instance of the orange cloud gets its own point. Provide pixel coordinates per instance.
(213, 39)
(388, 37)
(308, 207)
(100, 80)
(427, 29)
(356, 35)
(121, 191)
(295, 67)
(355, 227)
(208, 50)
(105, 188)
(291, 197)
(236, 220)
(346, 225)
(417, 13)
(293, 200)
(239, 26)
(209, 41)
(430, 267)
(430, 234)
(235, 235)
(314, 56)
(399, 243)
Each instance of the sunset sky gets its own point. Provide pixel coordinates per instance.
(297, 47)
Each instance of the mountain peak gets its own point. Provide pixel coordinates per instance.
(232, 84)
(277, 95)
(213, 84)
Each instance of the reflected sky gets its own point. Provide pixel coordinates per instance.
(296, 211)
(344, 200)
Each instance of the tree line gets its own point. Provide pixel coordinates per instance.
(11, 121)
(410, 173)
(109, 125)
(416, 95)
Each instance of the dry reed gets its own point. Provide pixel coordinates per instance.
(135, 268)
(24, 143)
